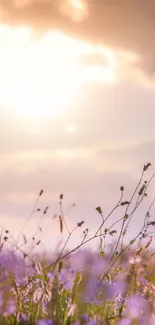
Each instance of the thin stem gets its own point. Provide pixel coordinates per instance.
(121, 252)
(18, 248)
(59, 256)
(63, 217)
(28, 219)
(126, 210)
(140, 201)
(116, 206)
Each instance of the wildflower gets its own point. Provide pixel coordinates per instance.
(143, 281)
(92, 322)
(66, 278)
(45, 322)
(115, 288)
(1, 298)
(98, 265)
(85, 317)
(21, 316)
(92, 288)
(125, 321)
(11, 308)
(50, 276)
(137, 306)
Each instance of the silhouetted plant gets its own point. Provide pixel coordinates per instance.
(113, 287)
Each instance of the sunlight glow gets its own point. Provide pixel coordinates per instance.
(41, 77)
(74, 9)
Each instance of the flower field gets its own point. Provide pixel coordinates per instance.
(80, 287)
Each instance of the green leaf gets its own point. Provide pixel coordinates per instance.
(40, 276)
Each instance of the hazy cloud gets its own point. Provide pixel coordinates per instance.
(122, 24)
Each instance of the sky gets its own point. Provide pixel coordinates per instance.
(77, 110)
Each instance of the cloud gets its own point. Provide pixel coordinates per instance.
(128, 25)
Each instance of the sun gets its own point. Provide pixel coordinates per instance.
(40, 77)
(37, 78)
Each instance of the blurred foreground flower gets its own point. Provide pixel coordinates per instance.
(45, 322)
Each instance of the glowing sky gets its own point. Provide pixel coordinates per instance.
(76, 116)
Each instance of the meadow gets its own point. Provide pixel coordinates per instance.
(77, 286)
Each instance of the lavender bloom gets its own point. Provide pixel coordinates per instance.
(92, 322)
(17, 280)
(50, 276)
(85, 317)
(11, 308)
(78, 261)
(45, 322)
(137, 306)
(98, 265)
(125, 321)
(21, 316)
(20, 280)
(143, 281)
(92, 288)
(115, 288)
(66, 278)
(1, 298)
(145, 320)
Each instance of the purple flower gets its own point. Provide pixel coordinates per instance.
(125, 321)
(98, 265)
(1, 299)
(92, 322)
(114, 289)
(85, 317)
(21, 316)
(78, 261)
(137, 306)
(92, 287)
(145, 320)
(50, 275)
(17, 280)
(66, 278)
(11, 307)
(143, 281)
(45, 322)
(72, 271)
